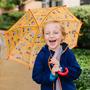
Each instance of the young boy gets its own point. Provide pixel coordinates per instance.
(55, 57)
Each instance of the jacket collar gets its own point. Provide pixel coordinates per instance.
(64, 47)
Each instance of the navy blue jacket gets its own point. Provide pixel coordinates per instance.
(41, 72)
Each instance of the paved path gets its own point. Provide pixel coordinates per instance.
(15, 76)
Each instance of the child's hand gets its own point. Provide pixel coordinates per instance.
(55, 69)
(54, 61)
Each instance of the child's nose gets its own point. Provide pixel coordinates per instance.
(51, 35)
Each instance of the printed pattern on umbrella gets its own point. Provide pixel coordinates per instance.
(25, 39)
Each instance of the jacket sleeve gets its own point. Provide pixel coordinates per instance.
(38, 74)
(73, 67)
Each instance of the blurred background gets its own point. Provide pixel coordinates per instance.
(12, 10)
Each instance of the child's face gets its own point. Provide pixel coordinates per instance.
(53, 35)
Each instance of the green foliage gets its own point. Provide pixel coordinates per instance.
(83, 57)
(17, 2)
(8, 19)
(83, 13)
(7, 4)
(83, 83)
(10, 4)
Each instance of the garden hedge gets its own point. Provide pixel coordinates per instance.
(8, 19)
(83, 13)
(83, 57)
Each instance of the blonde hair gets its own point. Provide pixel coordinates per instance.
(62, 29)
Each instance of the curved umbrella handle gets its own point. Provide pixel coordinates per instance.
(63, 73)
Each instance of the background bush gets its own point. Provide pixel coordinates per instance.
(83, 13)
(8, 19)
(7, 4)
(83, 57)
(83, 83)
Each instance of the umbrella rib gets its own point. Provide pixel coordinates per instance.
(34, 18)
(71, 14)
(16, 23)
(37, 25)
(34, 36)
(55, 9)
(48, 14)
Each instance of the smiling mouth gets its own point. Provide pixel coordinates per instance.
(51, 41)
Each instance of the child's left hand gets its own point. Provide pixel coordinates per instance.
(54, 61)
(55, 69)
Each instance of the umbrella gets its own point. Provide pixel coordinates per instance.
(24, 39)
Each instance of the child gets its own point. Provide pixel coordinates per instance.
(55, 59)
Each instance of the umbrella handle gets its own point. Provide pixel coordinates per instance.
(63, 73)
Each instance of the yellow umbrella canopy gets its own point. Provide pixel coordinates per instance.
(25, 39)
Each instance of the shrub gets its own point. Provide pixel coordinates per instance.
(83, 57)
(83, 83)
(8, 19)
(83, 13)
(7, 4)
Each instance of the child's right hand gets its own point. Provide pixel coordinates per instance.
(54, 61)
(55, 69)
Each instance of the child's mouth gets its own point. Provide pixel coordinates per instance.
(52, 41)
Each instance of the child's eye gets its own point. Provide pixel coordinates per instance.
(55, 32)
(47, 33)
